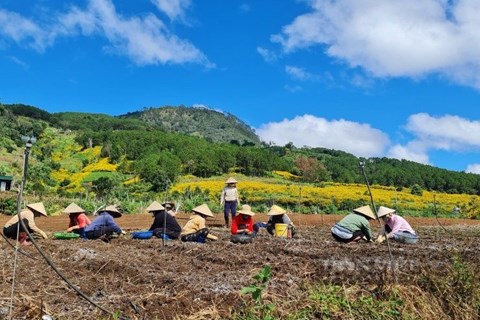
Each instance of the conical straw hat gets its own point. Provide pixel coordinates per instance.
(113, 211)
(383, 211)
(366, 211)
(203, 209)
(39, 207)
(155, 206)
(247, 210)
(276, 211)
(170, 203)
(73, 208)
(231, 180)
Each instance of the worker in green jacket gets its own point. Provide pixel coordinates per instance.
(355, 226)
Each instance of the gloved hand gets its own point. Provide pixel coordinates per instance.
(380, 239)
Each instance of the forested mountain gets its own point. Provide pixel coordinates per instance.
(77, 150)
(202, 122)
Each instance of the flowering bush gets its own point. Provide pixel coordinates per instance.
(101, 165)
(328, 197)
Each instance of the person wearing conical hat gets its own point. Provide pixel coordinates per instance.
(164, 225)
(170, 208)
(78, 219)
(279, 215)
(104, 226)
(395, 227)
(28, 216)
(354, 226)
(195, 230)
(243, 229)
(229, 199)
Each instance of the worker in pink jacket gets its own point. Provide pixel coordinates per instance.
(395, 227)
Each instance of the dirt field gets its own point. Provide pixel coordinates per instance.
(144, 280)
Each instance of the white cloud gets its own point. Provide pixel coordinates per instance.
(18, 62)
(413, 151)
(145, 40)
(473, 168)
(447, 132)
(267, 55)
(24, 31)
(361, 81)
(392, 38)
(307, 130)
(200, 106)
(299, 73)
(174, 9)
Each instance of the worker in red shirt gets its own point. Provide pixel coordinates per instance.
(243, 229)
(78, 219)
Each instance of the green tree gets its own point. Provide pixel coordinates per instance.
(160, 170)
(104, 186)
(416, 190)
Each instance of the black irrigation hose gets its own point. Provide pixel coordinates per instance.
(436, 213)
(26, 254)
(61, 275)
(438, 221)
(49, 262)
(390, 256)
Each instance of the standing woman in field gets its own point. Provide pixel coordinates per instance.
(78, 219)
(195, 230)
(395, 227)
(229, 199)
(354, 226)
(28, 216)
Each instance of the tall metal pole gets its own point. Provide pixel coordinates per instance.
(165, 217)
(29, 142)
(396, 199)
(28, 146)
(362, 165)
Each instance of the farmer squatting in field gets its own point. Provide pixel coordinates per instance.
(354, 226)
(243, 229)
(279, 215)
(195, 230)
(28, 216)
(104, 226)
(78, 219)
(395, 227)
(164, 224)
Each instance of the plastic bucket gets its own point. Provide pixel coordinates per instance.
(281, 230)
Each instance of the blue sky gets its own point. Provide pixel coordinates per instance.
(375, 78)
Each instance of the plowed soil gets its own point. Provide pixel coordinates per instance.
(146, 279)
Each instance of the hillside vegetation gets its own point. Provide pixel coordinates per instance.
(100, 157)
(201, 122)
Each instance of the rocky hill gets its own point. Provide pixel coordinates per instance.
(198, 121)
